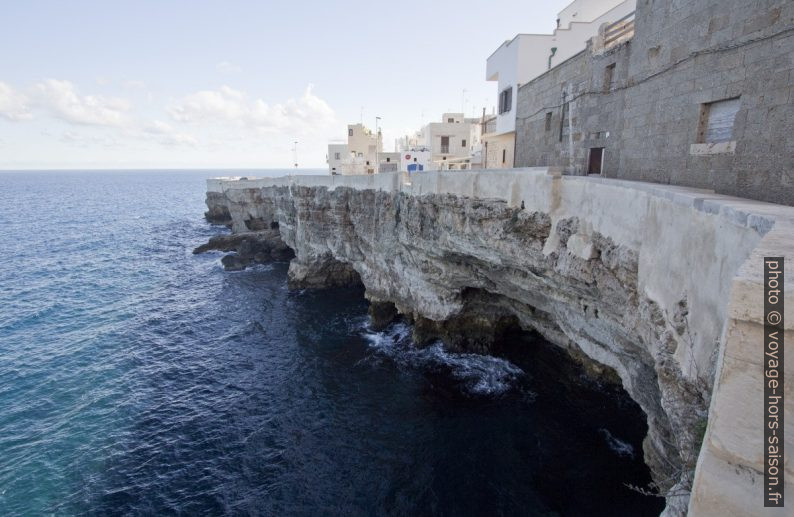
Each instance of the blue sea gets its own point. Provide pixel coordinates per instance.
(139, 379)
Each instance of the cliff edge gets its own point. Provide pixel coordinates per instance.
(663, 285)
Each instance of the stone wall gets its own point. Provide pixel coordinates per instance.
(684, 53)
(660, 283)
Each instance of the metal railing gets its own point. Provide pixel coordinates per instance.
(619, 31)
(445, 149)
(389, 167)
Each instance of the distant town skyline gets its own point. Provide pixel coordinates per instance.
(235, 84)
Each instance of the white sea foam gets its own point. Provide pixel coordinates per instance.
(479, 374)
(619, 446)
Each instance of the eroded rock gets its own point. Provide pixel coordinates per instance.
(468, 270)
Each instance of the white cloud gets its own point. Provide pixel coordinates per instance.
(302, 115)
(62, 100)
(225, 67)
(167, 135)
(133, 84)
(86, 141)
(13, 104)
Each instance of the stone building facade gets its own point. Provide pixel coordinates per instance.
(702, 96)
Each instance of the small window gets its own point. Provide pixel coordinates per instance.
(595, 163)
(444, 144)
(506, 100)
(336, 156)
(368, 163)
(504, 156)
(609, 72)
(350, 131)
(388, 159)
(450, 120)
(463, 143)
(548, 121)
(563, 122)
(716, 121)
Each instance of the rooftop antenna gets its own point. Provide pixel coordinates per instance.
(295, 153)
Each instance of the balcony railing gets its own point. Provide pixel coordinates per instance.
(445, 149)
(619, 31)
(389, 167)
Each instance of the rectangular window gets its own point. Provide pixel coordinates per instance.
(504, 156)
(506, 100)
(609, 72)
(444, 144)
(548, 121)
(388, 159)
(350, 132)
(595, 162)
(716, 121)
(336, 156)
(450, 120)
(563, 121)
(463, 143)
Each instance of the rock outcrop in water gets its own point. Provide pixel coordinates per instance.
(257, 247)
(466, 268)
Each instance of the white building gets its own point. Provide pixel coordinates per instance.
(416, 159)
(527, 56)
(389, 162)
(359, 155)
(452, 141)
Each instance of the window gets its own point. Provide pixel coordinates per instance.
(595, 162)
(450, 120)
(504, 155)
(444, 144)
(506, 100)
(463, 143)
(336, 156)
(563, 114)
(350, 131)
(388, 159)
(716, 121)
(609, 72)
(548, 121)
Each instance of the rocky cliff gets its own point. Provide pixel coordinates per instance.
(631, 281)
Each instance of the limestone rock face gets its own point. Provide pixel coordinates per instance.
(609, 272)
(218, 212)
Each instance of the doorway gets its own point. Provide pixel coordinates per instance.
(596, 161)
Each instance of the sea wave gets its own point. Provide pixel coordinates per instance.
(617, 445)
(477, 374)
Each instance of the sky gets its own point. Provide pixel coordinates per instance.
(233, 84)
